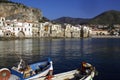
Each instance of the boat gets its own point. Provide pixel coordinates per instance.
(85, 72)
(27, 72)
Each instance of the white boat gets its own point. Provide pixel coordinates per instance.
(86, 72)
(31, 72)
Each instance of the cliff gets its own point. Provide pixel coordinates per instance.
(12, 10)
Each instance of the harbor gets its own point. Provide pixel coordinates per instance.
(59, 40)
(64, 53)
(44, 71)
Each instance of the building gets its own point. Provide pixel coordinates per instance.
(56, 31)
(44, 29)
(16, 29)
(2, 21)
(27, 29)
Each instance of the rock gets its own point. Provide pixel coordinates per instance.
(11, 10)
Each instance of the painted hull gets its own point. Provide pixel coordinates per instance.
(73, 75)
(17, 76)
(70, 75)
(42, 74)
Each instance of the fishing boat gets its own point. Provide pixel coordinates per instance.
(85, 72)
(27, 72)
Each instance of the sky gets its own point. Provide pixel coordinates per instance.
(53, 9)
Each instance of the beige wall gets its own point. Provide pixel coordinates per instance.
(94, 32)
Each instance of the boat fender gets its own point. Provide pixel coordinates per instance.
(4, 74)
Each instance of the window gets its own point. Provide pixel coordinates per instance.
(18, 29)
(2, 19)
(29, 29)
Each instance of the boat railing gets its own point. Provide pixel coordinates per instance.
(14, 68)
(89, 73)
(46, 67)
(16, 72)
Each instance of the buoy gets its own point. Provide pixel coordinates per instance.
(4, 74)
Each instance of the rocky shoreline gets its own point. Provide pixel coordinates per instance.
(19, 38)
(105, 36)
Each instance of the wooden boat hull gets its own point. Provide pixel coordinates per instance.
(42, 74)
(74, 75)
(17, 75)
(70, 75)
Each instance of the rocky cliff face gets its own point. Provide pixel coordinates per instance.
(12, 10)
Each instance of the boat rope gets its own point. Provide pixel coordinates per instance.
(18, 56)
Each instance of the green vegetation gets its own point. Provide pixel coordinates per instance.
(5, 1)
(108, 17)
(44, 19)
(70, 20)
(18, 4)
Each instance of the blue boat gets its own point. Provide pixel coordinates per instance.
(27, 72)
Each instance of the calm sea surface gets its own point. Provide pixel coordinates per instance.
(67, 54)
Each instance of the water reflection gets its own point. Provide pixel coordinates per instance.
(33, 49)
(65, 53)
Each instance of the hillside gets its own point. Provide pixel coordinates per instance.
(71, 20)
(12, 10)
(108, 17)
